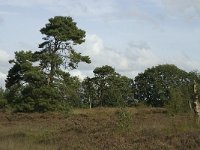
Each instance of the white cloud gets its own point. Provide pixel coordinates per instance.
(4, 66)
(4, 56)
(187, 9)
(184, 62)
(141, 56)
(2, 76)
(75, 7)
(134, 59)
(112, 10)
(78, 73)
(137, 57)
(2, 79)
(25, 2)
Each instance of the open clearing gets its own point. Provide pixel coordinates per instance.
(99, 128)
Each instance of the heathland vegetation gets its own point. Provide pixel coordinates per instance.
(43, 106)
(99, 128)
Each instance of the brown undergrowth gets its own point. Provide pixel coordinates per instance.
(99, 128)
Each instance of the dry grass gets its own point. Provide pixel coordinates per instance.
(145, 128)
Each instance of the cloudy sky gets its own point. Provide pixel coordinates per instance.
(130, 35)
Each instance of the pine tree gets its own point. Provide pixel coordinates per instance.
(39, 81)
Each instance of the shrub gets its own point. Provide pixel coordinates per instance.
(3, 103)
(178, 102)
(124, 119)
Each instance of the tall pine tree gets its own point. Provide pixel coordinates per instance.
(37, 80)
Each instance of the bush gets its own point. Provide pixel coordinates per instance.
(178, 102)
(124, 119)
(3, 103)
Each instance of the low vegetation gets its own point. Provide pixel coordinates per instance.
(99, 128)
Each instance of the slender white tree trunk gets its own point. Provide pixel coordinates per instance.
(196, 102)
(90, 102)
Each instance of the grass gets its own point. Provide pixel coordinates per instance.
(99, 128)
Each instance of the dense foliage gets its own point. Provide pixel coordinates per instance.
(38, 81)
(164, 84)
(2, 99)
(108, 88)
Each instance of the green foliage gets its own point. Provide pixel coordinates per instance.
(178, 101)
(107, 88)
(70, 89)
(37, 81)
(123, 119)
(153, 86)
(103, 79)
(3, 101)
(104, 71)
(57, 48)
(88, 92)
(63, 29)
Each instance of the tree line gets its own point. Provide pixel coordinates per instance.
(40, 81)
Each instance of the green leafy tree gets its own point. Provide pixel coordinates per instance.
(2, 98)
(153, 86)
(38, 81)
(195, 76)
(21, 79)
(103, 78)
(71, 90)
(178, 100)
(88, 92)
(108, 88)
(123, 87)
(61, 34)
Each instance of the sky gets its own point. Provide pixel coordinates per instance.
(130, 35)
